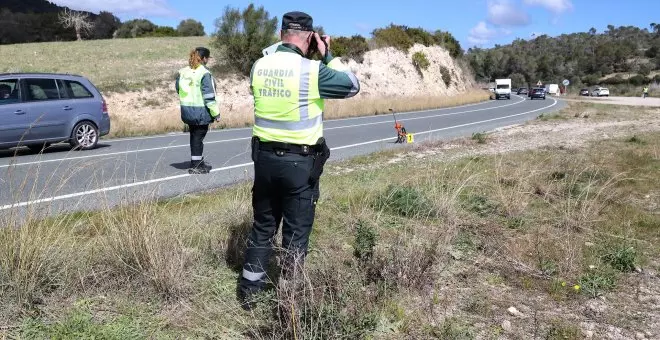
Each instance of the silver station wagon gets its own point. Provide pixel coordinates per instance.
(38, 109)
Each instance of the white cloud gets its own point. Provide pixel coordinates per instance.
(505, 13)
(481, 34)
(555, 6)
(135, 8)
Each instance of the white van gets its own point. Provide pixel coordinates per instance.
(553, 89)
(502, 88)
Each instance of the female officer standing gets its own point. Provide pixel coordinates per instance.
(199, 107)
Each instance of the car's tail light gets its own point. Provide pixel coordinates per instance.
(105, 107)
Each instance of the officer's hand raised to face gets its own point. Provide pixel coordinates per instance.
(319, 41)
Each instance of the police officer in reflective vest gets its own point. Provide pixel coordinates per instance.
(288, 148)
(199, 108)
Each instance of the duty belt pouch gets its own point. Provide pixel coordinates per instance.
(320, 157)
(255, 148)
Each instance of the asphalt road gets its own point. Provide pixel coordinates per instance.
(127, 170)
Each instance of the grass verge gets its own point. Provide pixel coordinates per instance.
(398, 251)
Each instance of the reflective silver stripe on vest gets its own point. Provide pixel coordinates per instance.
(288, 125)
(303, 95)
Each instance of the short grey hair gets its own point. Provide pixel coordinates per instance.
(295, 33)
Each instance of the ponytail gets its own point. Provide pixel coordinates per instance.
(194, 60)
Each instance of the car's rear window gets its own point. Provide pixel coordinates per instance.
(502, 86)
(76, 89)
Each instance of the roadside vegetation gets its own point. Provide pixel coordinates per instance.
(455, 244)
(620, 58)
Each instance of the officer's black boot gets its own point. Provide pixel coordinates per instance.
(199, 167)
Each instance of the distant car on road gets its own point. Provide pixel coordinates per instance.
(41, 109)
(584, 92)
(537, 92)
(600, 92)
(522, 91)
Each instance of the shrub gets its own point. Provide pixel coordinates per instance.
(635, 140)
(420, 61)
(393, 36)
(446, 76)
(352, 48)
(447, 40)
(479, 204)
(162, 31)
(595, 284)
(591, 79)
(420, 36)
(242, 35)
(480, 137)
(562, 331)
(365, 241)
(621, 257)
(405, 201)
(614, 80)
(637, 80)
(190, 28)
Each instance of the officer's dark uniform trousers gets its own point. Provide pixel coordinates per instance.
(282, 192)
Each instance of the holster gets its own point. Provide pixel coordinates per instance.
(321, 155)
(255, 148)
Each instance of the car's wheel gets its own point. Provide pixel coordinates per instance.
(84, 136)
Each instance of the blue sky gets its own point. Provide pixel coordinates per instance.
(473, 22)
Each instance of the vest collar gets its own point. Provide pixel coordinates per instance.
(286, 47)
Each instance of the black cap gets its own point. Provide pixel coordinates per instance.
(297, 21)
(203, 52)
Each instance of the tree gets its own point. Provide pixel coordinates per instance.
(135, 28)
(79, 21)
(242, 35)
(105, 25)
(190, 28)
(518, 80)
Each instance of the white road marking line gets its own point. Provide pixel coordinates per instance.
(119, 153)
(449, 127)
(239, 139)
(163, 179)
(179, 134)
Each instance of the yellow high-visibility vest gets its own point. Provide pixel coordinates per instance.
(287, 105)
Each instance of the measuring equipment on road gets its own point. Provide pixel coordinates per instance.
(401, 134)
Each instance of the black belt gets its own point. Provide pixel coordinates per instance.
(287, 147)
